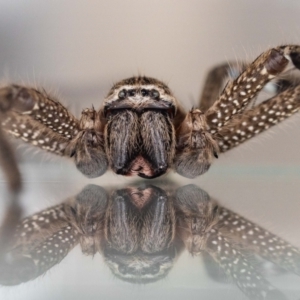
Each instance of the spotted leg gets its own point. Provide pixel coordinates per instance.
(40, 242)
(240, 92)
(29, 265)
(215, 81)
(200, 230)
(239, 266)
(254, 121)
(261, 241)
(37, 118)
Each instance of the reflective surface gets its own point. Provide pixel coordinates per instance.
(141, 231)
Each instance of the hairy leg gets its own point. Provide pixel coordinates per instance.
(201, 230)
(215, 81)
(240, 92)
(258, 119)
(260, 241)
(37, 118)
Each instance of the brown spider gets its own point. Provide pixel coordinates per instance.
(141, 128)
(140, 231)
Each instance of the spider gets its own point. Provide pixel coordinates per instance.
(141, 129)
(141, 230)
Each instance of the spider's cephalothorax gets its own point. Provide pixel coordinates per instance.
(133, 144)
(142, 130)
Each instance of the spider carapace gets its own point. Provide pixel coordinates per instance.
(142, 130)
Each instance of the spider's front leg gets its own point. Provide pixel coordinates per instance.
(195, 146)
(37, 118)
(230, 121)
(240, 92)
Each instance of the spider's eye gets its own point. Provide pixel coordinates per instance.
(122, 94)
(155, 94)
(144, 92)
(131, 93)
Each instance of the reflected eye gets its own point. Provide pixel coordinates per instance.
(122, 94)
(155, 94)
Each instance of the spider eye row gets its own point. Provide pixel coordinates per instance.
(154, 94)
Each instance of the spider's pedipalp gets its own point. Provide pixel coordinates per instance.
(195, 147)
(9, 164)
(87, 147)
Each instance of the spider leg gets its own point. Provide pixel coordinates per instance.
(262, 242)
(39, 242)
(13, 210)
(9, 165)
(33, 229)
(237, 264)
(38, 106)
(37, 118)
(42, 240)
(258, 119)
(237, 94)
(29, 265)
(199, 228)
(215, 82)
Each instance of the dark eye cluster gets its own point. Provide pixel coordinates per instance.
(154, 94)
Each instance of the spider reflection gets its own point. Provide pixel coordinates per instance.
(141, 231)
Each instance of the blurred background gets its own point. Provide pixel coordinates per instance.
(78, 49)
